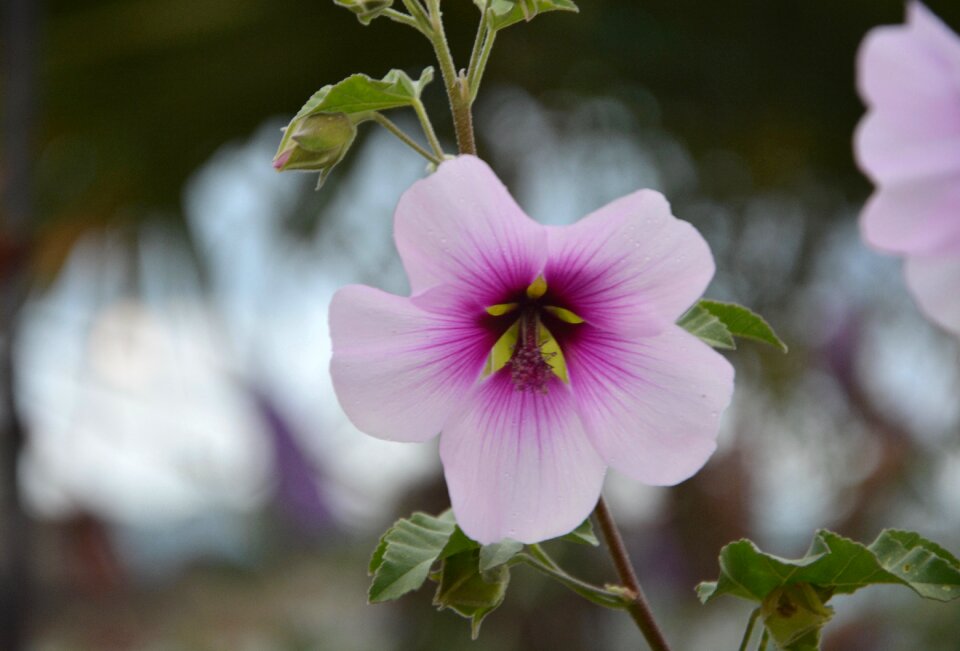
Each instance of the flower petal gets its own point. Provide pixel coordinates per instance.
(650, 405)
(916, 218)
(519, 465)
(908, 66)
(630, 266)
(902, 147)
(935, 283)
(398, 371)
(461, 227)
(909, 76)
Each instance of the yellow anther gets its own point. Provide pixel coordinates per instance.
(537, 288)
(501, 308)
(563, 314)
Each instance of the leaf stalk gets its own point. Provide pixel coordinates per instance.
(390, 126)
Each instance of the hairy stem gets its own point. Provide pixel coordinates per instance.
(479, 65)
(747, 634)
(482, 32)
(402, 18)
(458, 91)
(407, 140)
(638, 608)
(419, 15)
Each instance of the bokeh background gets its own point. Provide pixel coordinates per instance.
(177, 474)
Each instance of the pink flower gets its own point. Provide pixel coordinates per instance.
(542, 354)
(909, 145)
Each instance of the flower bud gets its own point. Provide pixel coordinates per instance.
(315, 142)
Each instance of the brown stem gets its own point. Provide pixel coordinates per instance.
(639, 609)
(458, 91)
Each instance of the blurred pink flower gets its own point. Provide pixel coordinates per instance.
(909, 145)
(543, 354)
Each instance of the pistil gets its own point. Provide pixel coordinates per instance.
(529, 365)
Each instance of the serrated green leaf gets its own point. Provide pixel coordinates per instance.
(499, 553)
(366, 10)
(794, 592)
(469, 592)
(701, 323)
(742, 322)
(840, 566)
(405, 554)
(360, 95)
(583, 534)
(376, 559)
(832, 563)
(503, 13)
(924, 566)
(322, 131)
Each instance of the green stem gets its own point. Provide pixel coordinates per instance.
(420, 17)
(477, 68)
(589, 592)
(428, 128)
(747, 634)
(457, 90)
(763, 640)
(639, 608)
(407, 140)
(478, 41)
(541, 555)
(402, 18)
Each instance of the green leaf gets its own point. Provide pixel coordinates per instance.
(322, 131)
(503, 13)
(366, 10)
(499, 553)
(358, 95)
(743, 323)
(794, 592)
(405, 554)
(459, 542)
(924, 566)
(583, 534)
(468, 591)
(698, 321)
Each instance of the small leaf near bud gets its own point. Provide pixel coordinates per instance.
(366, 10)
(323, 130)
(503, 13)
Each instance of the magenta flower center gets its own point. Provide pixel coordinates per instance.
(525, 344)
